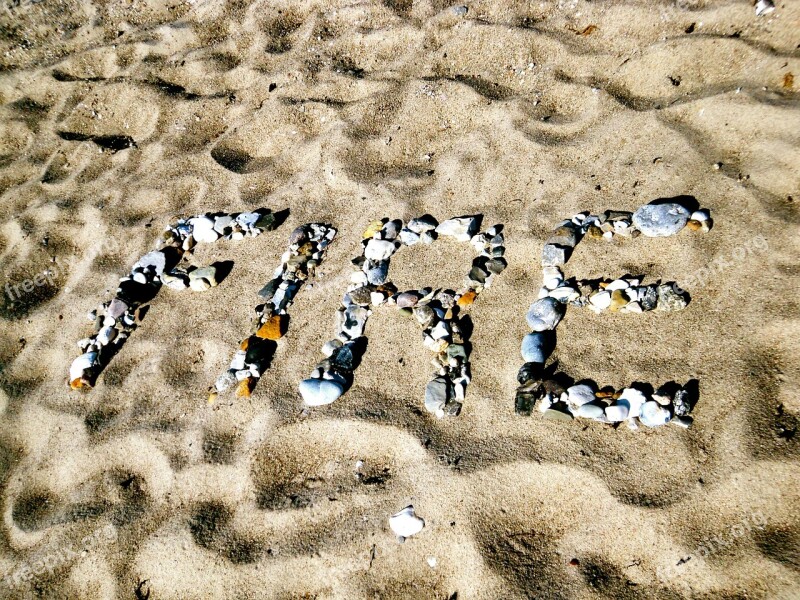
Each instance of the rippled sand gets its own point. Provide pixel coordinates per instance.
(119, 117)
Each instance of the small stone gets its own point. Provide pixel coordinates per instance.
(245, 387)
(590, 411)
(222, 224)
(618, 300)
(496, 265)
(355, 319)
(594, 232)
(524, 402)
(578, 395)
(406, 523)
(377, 273)
(669, 299)
(274, 328)
(680, 403)
(299, 236)
(467, 298)
(342, 358)
(653, 415)
(564, 294)
(461, 228)
(390, 230)
(116, 308)
(268, 291)
(106, 335)
(600, 300)
(545, 314)
(423, 224)
(155, 260)
(203, 274)
(408, 237)
(203, 230)
(557, 415)
(318, 392)
(553, 256)
(424, 315)
(616, 413)
(632, 399)
(407, 299)
(477, 274)
(81, 364)
(537, 346)
(660, 220)
(361, 295)
(529, 372)
(440, 331)
(437, 393)
(378, 250)
(372, 229)
(648, 297)
(459, 11)
(330, 346)
(225, 381)
(764, 7)
(565, 235)
(684, 422)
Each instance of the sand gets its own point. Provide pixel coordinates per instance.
(119, 117)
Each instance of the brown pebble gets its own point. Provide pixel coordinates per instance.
(574, 562)
(694, 225)
(274, 328)
(618, 300)
(245, 387)
(467, 298)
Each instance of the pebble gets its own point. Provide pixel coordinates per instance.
(669, 299)
(437, 393)
(203, 278)
(580, 394)
(378, 250)
(537, 346)
(203, 230)
(565, 235)
(377, 273)
(616, 413)
(590, 411)
(81, 364)
(406, 523)
(618, 300)
(372, 229)
(274, 328)
(155, 260)
(318, 392)
(116, 308)
(557, 415)
(601, 300)
(461, 228)
(221, 223)
(545, 314)
(653, 414)
(660, 220)
(553, 256)
(632, 399)
(408, 237)
(423, 224)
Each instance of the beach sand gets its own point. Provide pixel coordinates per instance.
(117, 118)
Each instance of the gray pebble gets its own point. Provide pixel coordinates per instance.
(545, 314)
(660, 220)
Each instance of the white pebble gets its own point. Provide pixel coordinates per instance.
(406, 523)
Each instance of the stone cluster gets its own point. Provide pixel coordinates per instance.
(307, 245)
(115, 320)
(437, 311)
(626, 294)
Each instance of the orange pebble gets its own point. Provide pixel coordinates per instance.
(245, 387)
(273, 329)
(467, 298)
